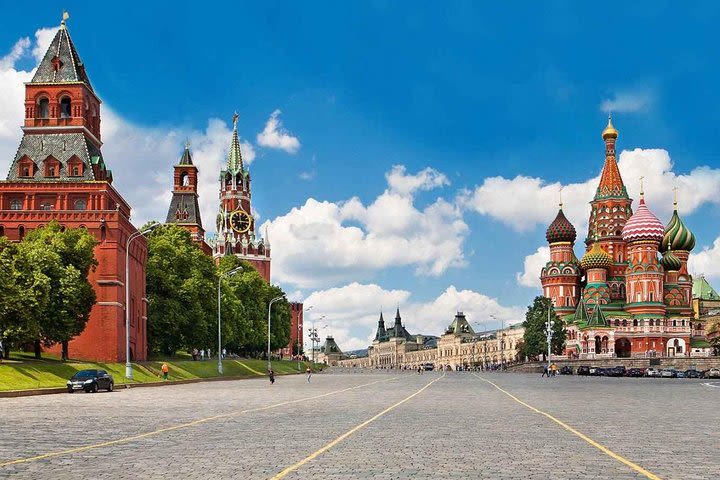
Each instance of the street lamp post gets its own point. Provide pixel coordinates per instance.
(133, 236)
(219, 350)
(299, 329)
(548, 327)
(268, 335)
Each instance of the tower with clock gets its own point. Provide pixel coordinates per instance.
(236, 229)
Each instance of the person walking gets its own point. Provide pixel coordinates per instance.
(202, 354)
(209, 354)
(271, 375)
(165, 370)
(553, 369)
(308, 371)
(2, 352)
(546, 372)
(224, 352)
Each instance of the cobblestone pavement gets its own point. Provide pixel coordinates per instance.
(459, 427)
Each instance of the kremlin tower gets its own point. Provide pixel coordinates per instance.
(622, 299)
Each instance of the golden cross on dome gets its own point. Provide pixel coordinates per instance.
(65, 17)
(561, 202)
(235, 118)
(675, 190)
(642, 188)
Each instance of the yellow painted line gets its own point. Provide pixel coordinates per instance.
(251, 369)
(181, 426)
(570, 429)
(342, 437)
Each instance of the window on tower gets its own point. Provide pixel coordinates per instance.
(15, 204)
(43, 108)
(65, 107)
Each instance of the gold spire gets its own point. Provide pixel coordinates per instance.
(642, 188)
(609, 131)
(561, 202)
(675, 190)
(65, 16)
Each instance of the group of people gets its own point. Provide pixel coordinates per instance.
(550, 371)
(202, 354)
(271, 375)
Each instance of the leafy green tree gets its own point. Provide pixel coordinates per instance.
(56, 262)
(181, 292)
(534, 339)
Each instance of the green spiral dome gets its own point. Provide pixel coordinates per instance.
(677, 236)
(596, 257)
(670, 262)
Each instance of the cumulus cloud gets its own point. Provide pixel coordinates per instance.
(627, 102)
(351, 312)
(533, 263)
(706, 261)
(274, 135)
(523, 203)
(400, 182)
(322, 243)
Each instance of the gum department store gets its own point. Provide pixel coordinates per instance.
(630, 295)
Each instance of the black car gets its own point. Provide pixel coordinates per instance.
(91, 381)
(598, 371)
(618, 371)
(583, 370)
(566, 370)
(635, 372)
(692, 373)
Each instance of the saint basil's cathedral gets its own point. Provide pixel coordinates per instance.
(631, 293)
(59, 173)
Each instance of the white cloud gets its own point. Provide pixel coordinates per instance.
(523, 203)
(322, 243)
(627, 102)
(274, 135)
(533, 263)
(43, 38)
(400, 182)
(306, 175)
(352, 311)
(706, 261)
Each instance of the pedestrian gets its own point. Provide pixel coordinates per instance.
(202, 354)
(271, 375)
(553, 369)
(209, 354)
(308, 371)
(2, 352)
(224, 352)
(165, 370)
(545, 373)
(194, 354)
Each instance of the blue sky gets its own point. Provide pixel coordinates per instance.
(472, 90)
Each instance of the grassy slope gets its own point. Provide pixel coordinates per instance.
(22, 373)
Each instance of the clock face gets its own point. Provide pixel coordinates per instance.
(240, 221)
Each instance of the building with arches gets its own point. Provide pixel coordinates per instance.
(631, 294)
(59, 173)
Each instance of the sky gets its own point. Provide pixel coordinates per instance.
(402, 153)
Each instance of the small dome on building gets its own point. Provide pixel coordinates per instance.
(670, 262)
(609, 131)
(677, 236)
(643, 225)
(560, 230)
(596, 257)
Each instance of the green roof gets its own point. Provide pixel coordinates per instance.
(699, 343)
(703, 290)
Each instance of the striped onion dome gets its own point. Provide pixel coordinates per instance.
(643, 225)
(677, 236)
(560, 230)
(596, 257)
(670, 262)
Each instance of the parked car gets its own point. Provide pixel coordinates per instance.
(583, 370)
(668, 373)
(635, 372)
(600, 371)
(680, 374)
(692, 373)
(618, 371)
(91, 381)
(713, 373)
(566, 370)
(652, 372)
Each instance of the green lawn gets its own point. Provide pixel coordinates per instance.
(23, 372)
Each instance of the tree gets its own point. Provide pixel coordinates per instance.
(56, 261)
(181, 283)
(535, 340)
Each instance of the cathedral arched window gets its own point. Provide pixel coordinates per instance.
(2, 231)
(15, 204)
(80, 204)
(65, 107)
(635, 322)
(184, 179)
(21, 232)
(43, 108)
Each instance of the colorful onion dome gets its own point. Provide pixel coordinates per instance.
(670, 262)
(596, 257)
(643, 225)
(677, 236)
(609, 131)
(560, 230)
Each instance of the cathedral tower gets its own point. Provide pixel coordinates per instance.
(560, 277)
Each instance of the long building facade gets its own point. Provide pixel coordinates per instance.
(631, 294)
(459, 347)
